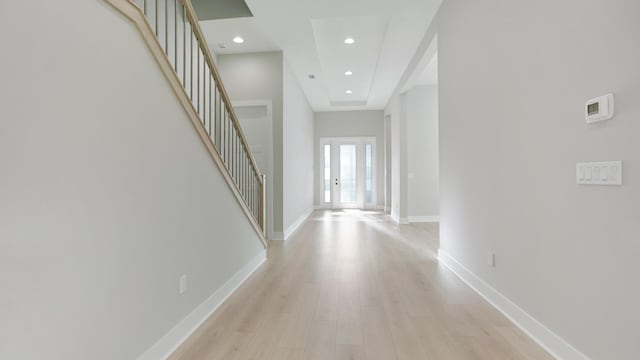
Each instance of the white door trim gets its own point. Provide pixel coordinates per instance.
(360, 154)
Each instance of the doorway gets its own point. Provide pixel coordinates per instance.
(256, 120)
(347, 173)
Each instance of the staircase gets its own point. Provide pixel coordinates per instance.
(171, 31)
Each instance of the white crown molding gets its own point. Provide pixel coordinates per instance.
(423, 219)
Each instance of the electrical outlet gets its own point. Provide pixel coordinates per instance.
(183, 284)
(491, 259)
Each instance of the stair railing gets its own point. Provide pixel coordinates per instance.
(173, 34)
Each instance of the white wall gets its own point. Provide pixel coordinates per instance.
(423, 191)
(395, 111)
(265, 76)
(513, 79)
(107, 194)
(259, 76)
(387, 163)
(298, 162)
(361, 123)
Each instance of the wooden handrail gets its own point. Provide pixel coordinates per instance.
(202, 42)
(231, 151)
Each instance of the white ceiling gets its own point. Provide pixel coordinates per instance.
(221, 33)
(361, 58)
(311, 34)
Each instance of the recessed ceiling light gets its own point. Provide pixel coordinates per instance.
(349, 92)
(349, 41)
(348, 73)
(238, 40)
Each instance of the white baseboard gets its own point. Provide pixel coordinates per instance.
(403, 221)
(423, 219)
(293, 227)
(395, 217)
(387, 208)
(554, 344)
(374, 207)
(366, 207)
(181, 332)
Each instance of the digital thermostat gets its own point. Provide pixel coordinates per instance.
(599, 109)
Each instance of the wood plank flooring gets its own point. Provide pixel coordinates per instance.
(354, 285)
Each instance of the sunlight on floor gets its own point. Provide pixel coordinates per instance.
(414, 236)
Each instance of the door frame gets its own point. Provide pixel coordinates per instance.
(387, 163)
(360, 142)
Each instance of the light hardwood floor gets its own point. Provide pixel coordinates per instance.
(353, 285)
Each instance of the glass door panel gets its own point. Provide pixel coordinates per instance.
(368, 174)
(327, 174)
(348, 171)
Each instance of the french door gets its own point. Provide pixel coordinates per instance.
(347, 173)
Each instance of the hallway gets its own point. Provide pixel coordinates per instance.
(353, 285)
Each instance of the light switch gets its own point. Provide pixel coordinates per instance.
(604, 173)
(614, 170)
(183, 284)
(599, 173)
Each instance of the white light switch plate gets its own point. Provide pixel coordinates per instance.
(491, 259)
(608, 173)
(183, 284)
